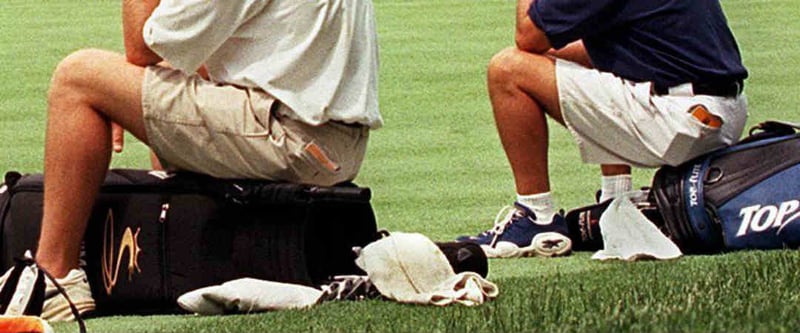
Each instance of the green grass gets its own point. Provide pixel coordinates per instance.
(437, 168)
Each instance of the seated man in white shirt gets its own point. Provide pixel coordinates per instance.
(289, 93)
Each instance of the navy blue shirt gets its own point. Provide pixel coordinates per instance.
(667, 42)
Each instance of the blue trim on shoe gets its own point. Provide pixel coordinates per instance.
(519, 235)
(487, 237)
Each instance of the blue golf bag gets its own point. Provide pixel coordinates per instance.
(746, 196)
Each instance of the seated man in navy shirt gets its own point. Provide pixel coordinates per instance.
(637, 83)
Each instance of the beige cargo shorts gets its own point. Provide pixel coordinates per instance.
(231, 132)
(616, 121)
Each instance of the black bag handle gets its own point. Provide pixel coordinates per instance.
(771, 129)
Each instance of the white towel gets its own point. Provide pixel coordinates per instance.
(407, 268)
(248, 295)
(629, 235)
(410, 268)
(466, 288)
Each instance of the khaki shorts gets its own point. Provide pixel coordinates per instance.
(616, 121)
(230, 132)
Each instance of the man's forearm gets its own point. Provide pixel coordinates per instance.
(134, 15)
(528, 36)
(522, 12)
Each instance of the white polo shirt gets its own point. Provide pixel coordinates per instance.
(319, 57)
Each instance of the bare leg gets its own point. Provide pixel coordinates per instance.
(155, 163)
(522, 89)
(615, 169)
(89, 89)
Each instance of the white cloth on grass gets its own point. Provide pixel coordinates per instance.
(248, 295)
(629, 235)
(410, 268)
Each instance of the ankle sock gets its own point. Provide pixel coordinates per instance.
(611, 186)
(541, 204)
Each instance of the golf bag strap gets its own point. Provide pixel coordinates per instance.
(775, 126)
(770, 129)
(772, 124)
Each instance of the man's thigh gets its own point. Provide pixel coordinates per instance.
(616, 121)
(232, 132)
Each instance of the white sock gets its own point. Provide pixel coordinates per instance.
(541, 204)
(614, 185)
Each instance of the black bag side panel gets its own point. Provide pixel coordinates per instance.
(669, 191)
(186, 242)
(5, 200)
(21, 216)
(123, 253)
(189, 238)
(263, 242)
(21, 226)
(335, 220)
(337, 227)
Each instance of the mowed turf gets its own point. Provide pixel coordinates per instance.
(437, 168)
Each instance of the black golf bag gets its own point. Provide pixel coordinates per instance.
(152, 236)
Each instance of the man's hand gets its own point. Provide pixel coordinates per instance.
(117, 137)
(574, 52)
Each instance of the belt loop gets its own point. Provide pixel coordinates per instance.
(685, 89)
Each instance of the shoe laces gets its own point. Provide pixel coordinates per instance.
(503, 219)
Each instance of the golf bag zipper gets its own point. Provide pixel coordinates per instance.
(162, 217)
(162, 230)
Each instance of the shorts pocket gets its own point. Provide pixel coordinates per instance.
(699, 135)
(312, 164)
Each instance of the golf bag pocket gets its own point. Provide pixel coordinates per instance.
(735, 198)
(153, 236)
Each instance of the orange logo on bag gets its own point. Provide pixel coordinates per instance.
(129, 243)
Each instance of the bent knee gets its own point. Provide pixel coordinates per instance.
(508, 64)
(79, 65)
(503, 64)
(74, 75)
(512, 63)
